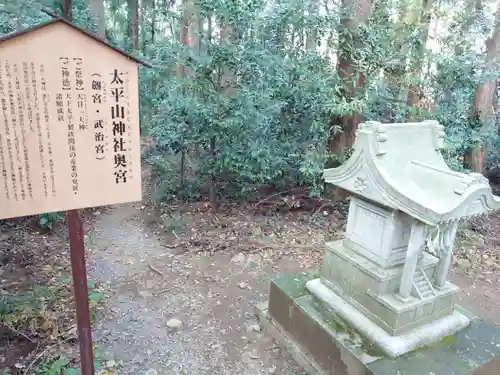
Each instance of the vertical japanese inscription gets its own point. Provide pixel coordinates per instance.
(97, 102)
(46, 117)
(119, 126)
(81, 96)
(19, 174)
(7, 141)
(66, 98)
(21, 84)
(28, 96)
(21, 106)
(39, 130)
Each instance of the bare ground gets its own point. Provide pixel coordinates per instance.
(204, 269)
(211, 293)
(207, 271)
(36, 302)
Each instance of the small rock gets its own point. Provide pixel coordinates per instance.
(490, 263)
(271, 370)
(174, 323)
(140, 361)
(253, 355)
(254, 328)
(239, 259)
(151, 371)
(463, 263)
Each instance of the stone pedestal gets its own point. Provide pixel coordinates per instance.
(382, 291)
(324, 344)
(380, 279)
(373, 290)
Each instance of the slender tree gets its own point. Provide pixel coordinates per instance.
(482, 109)
(415, 91)
(67, 9)
(353, 14)
(98, 17)
(133, 23)
(311, 32)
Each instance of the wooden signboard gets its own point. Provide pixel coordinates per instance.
(69, 122)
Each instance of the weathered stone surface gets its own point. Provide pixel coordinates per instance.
(385, 283)
(324, 345)
(370, 289)
(174, 323)
(391, 267)
(400, 166)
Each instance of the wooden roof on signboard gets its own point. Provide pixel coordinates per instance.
(74, 27)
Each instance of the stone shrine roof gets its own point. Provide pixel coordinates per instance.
(401, 166)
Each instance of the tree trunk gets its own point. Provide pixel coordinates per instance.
(183, 36)
(415, 93)
(195, 29)
(482, 110)
(67, 10)
(133, 23)
(181, 71)
(311, 26)
(98, 17)
(149, 48)
(153, 22)
(357, 12)
(227, 78)
(474, 11)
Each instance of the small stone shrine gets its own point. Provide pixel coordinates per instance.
(386, 280)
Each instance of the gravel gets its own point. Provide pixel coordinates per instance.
(188, 313)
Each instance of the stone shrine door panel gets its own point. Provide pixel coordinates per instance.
(379, 234)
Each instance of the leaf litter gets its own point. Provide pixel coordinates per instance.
(184, 263)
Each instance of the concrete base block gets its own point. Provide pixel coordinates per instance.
(392, 346)
(324, 344)
(373, 290)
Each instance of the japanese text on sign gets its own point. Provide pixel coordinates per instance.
(119, 127)
(69, 131)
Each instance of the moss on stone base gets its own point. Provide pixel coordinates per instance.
(334, 346)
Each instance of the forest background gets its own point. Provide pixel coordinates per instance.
(253, 97)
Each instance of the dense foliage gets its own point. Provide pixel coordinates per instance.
(244, 95)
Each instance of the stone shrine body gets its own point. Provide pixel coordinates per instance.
(388, 277)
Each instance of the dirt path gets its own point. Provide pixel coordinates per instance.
(211, 295)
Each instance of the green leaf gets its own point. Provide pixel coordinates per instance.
(44, 221)
(95, 297)
(58, 365)
(72, 371)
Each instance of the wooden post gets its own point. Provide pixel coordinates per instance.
(78, 268)
(79, 271)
